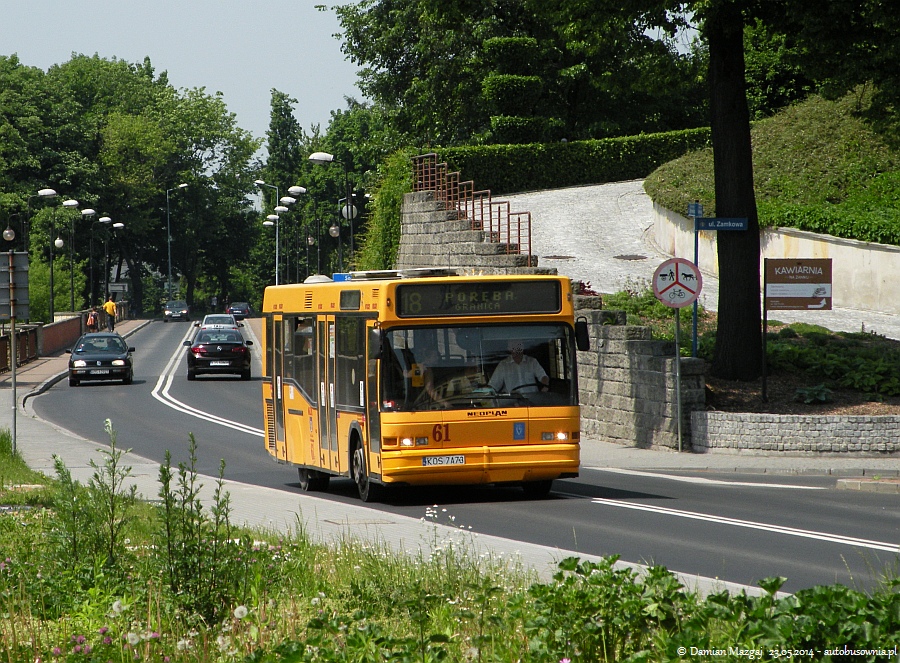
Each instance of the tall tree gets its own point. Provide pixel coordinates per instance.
(838, 44)
(426, 62)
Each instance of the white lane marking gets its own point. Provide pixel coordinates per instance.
(704, 481)
(776, 529)
(161, 393)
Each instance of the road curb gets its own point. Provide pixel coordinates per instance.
(870, 484)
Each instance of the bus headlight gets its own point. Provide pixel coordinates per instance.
(559, 436)
(406, 442)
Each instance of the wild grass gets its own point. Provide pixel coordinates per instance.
(92, 574)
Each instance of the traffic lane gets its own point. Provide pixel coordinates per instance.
(149, 426)
(576, 518)
(800, 502)
(83, 409)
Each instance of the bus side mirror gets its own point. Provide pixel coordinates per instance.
(582, 339)
(375, 340)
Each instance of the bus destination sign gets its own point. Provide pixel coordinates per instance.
(424, 300)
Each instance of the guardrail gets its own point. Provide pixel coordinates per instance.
(42, 340)
(26, 348)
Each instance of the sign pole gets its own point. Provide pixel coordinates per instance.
(678, 373)
(677, 283)
(13, 346)
(765, 333)
(695, 210)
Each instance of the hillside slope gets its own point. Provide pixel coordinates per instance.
(818, 166)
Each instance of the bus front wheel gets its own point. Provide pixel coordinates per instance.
(368, 491)
(312, 481)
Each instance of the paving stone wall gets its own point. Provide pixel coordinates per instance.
(795, 434)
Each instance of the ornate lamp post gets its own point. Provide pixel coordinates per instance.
(348, 212)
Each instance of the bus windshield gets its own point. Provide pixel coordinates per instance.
(478, 366)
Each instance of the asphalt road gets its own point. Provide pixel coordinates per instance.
(735, 528)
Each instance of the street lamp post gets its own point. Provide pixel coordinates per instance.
(89, 214)
(49, 193)
(71, 204)
(335, 231)
(286, 201)
(169, 238)
(324, 158)
(273, 218)
(107, 222)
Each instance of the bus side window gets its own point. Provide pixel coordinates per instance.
(303, 340)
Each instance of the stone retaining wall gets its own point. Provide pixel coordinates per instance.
(627, 384)
(795, 434)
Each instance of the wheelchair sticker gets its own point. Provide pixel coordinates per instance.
(519, 430)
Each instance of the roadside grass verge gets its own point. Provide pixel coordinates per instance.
(91, 573)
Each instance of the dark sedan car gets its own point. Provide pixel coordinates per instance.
(218, 351)
(239, 310)
(100, 356)
(176, 310)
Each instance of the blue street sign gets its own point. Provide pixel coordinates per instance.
(695, 209)
(720, 223)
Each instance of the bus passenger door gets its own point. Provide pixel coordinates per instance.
(328, 447)
(277, 345)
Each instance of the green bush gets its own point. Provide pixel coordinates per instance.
(510, 55)
(510, 94)
(378, 248)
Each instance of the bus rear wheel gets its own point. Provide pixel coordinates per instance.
(312, 481)
(368, 491)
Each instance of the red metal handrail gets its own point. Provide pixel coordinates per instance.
(500, 223)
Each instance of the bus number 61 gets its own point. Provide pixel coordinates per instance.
(441, 432)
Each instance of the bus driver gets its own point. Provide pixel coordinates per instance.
(519, 372)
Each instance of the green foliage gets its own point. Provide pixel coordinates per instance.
(860, 361)
(511, 94)
(774, 78)
(817, 394)
(197, 589)
(428, 62)
(201, 557)
(511, 55)
(378, 250)
(512, 168)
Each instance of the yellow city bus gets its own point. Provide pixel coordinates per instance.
(405, 378)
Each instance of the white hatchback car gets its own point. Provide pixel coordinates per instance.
(218, 321)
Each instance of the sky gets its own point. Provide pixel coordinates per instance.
(242, 48)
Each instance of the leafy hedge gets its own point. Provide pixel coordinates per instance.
(513, 168)
(378, 249)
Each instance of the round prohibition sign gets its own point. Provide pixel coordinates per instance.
(677, 282)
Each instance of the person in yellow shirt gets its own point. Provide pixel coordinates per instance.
(110, 308)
